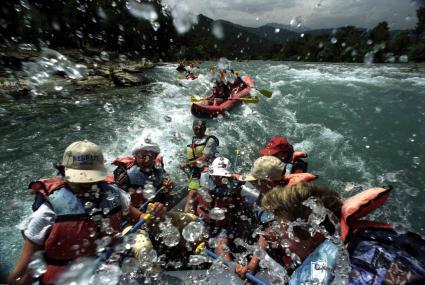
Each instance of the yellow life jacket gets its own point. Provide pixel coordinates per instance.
(195, 150)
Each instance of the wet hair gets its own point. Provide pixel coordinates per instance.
(200, 123)
(287, 202)
(59, 168)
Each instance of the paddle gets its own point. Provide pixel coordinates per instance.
(254, 100)
(251, 277)
(264, 92)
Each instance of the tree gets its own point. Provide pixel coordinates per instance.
(380, 33)
(420, 25)
(380, 36)
(400, 43)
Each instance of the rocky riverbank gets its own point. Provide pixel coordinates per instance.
(25, 71)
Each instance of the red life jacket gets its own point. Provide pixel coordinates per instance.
(359, 206)
(46, 186)
(295, 178)
(74, 233)
(127, 162)
(224, 200)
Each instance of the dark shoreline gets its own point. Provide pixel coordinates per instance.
(101, 74)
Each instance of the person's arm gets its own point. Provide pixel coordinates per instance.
(35, 234)
(155, 209)
(209, 150)
(193, 163)
(20, 274)
(165, 180)
(253, 264)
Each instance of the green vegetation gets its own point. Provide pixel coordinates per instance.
(108, 25)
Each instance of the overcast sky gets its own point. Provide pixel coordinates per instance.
(314, 14)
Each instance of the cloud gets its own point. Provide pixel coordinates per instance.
(364, 13)
(400, 14)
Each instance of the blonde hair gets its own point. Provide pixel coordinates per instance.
(287, 202)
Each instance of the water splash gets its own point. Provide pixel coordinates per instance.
(169, 233)
(218, 214)
(107, 274)
(198, 259)
(51, 63)
(37, 265)
(194, 231)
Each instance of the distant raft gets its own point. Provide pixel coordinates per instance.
(206, 109)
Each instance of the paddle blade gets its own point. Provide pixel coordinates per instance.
(193, 99)
(265, 92)
(254, 100)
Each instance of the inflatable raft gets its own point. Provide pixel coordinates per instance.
(206, 108)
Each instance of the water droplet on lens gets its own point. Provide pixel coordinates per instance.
(37, 265)
(183, 19)
(104, 56)
(403, 58)
(156, 26)
(416, 160)
(296, 22)
(109, 108)
(217, 214)
(217, 30)
(193, 231)
(399, 228)
(349, 186)
(142, 10)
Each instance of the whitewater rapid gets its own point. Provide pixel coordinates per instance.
(361, 125)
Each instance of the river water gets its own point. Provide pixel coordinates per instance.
(362, 125)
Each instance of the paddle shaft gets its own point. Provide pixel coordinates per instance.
(242, 99)
(106, 254)
(143, 206)
(251, 277)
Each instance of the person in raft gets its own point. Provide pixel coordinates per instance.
(220, 92)
(143, 175)
(266, 174)
(72, 218)
(181, 67)
(318, 239)
(199, 153)
(238, 83)
(280, 147)
(269, 172)
(217, 202)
